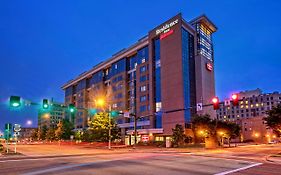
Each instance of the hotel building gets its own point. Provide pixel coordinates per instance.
(249, 114)
(161, 79)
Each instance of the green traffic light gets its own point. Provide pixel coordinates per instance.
(71, 108)
(15, 104)
(15, 101)
(45, 104)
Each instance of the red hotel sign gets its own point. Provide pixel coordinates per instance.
(164, 35)
(209, 66)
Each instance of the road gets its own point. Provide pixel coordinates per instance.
(242, 160)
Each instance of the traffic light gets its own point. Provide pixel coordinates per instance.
(235, 99)
(8, 131)
(71, 108)
(45, 104)
(114, 113)
(15, 101)
(216, 103)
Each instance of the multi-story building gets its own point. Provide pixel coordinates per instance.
(26, 133)
(160, 78)
(249, 114)
(50, 117)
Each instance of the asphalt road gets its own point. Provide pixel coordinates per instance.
(244, 160)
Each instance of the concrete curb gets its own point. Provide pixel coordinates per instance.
(272, 159)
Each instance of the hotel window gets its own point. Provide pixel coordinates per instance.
(143, 108)
(143, 78)
(143, 98)
(143, 88)
(158, 106)
(142, 69)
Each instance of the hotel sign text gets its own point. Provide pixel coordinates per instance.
(166, 28)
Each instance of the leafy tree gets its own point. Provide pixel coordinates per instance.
(42, 132)
(99, 127)
(273, 119)
(59, 130)
(202, 126)
(50, 134)
(227, 130)
(87, 136)
(34, 134)
(178, 135)
(78, 135)
(64, 130)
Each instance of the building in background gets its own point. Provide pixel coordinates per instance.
(50, 117)
(161, 79)
(249, 114)
(26, 133)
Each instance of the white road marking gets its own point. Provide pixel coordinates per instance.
(60, 168)
(238, 169)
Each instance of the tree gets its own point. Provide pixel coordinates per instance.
(64, 130)
(227, 130)
(59, 130)
(42, 132)
(202, 127)
(50, 134)
(273, 119)
(178, 135)
(100, 127)
(34, 134)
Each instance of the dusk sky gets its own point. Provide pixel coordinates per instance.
(43, 44)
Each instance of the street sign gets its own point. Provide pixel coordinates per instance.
(199, 107)
(227, 102)
(17, 128)
(127, 114)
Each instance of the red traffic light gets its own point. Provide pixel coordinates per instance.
(216, 103)
(235, 100)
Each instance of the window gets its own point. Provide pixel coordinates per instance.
(143, 78)
(143, 88)
(142, 69)
(143, 108)
(143, 98)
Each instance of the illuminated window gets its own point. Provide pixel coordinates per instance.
(247, 106)
(241, 102)
(257, 105)
(246, 102)
(158, 106)
(252, 105)
(143, 88)
(242, 106)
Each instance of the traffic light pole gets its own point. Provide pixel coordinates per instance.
(135, 130)
(109, 131)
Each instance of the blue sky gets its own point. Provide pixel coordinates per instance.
(43, 44)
